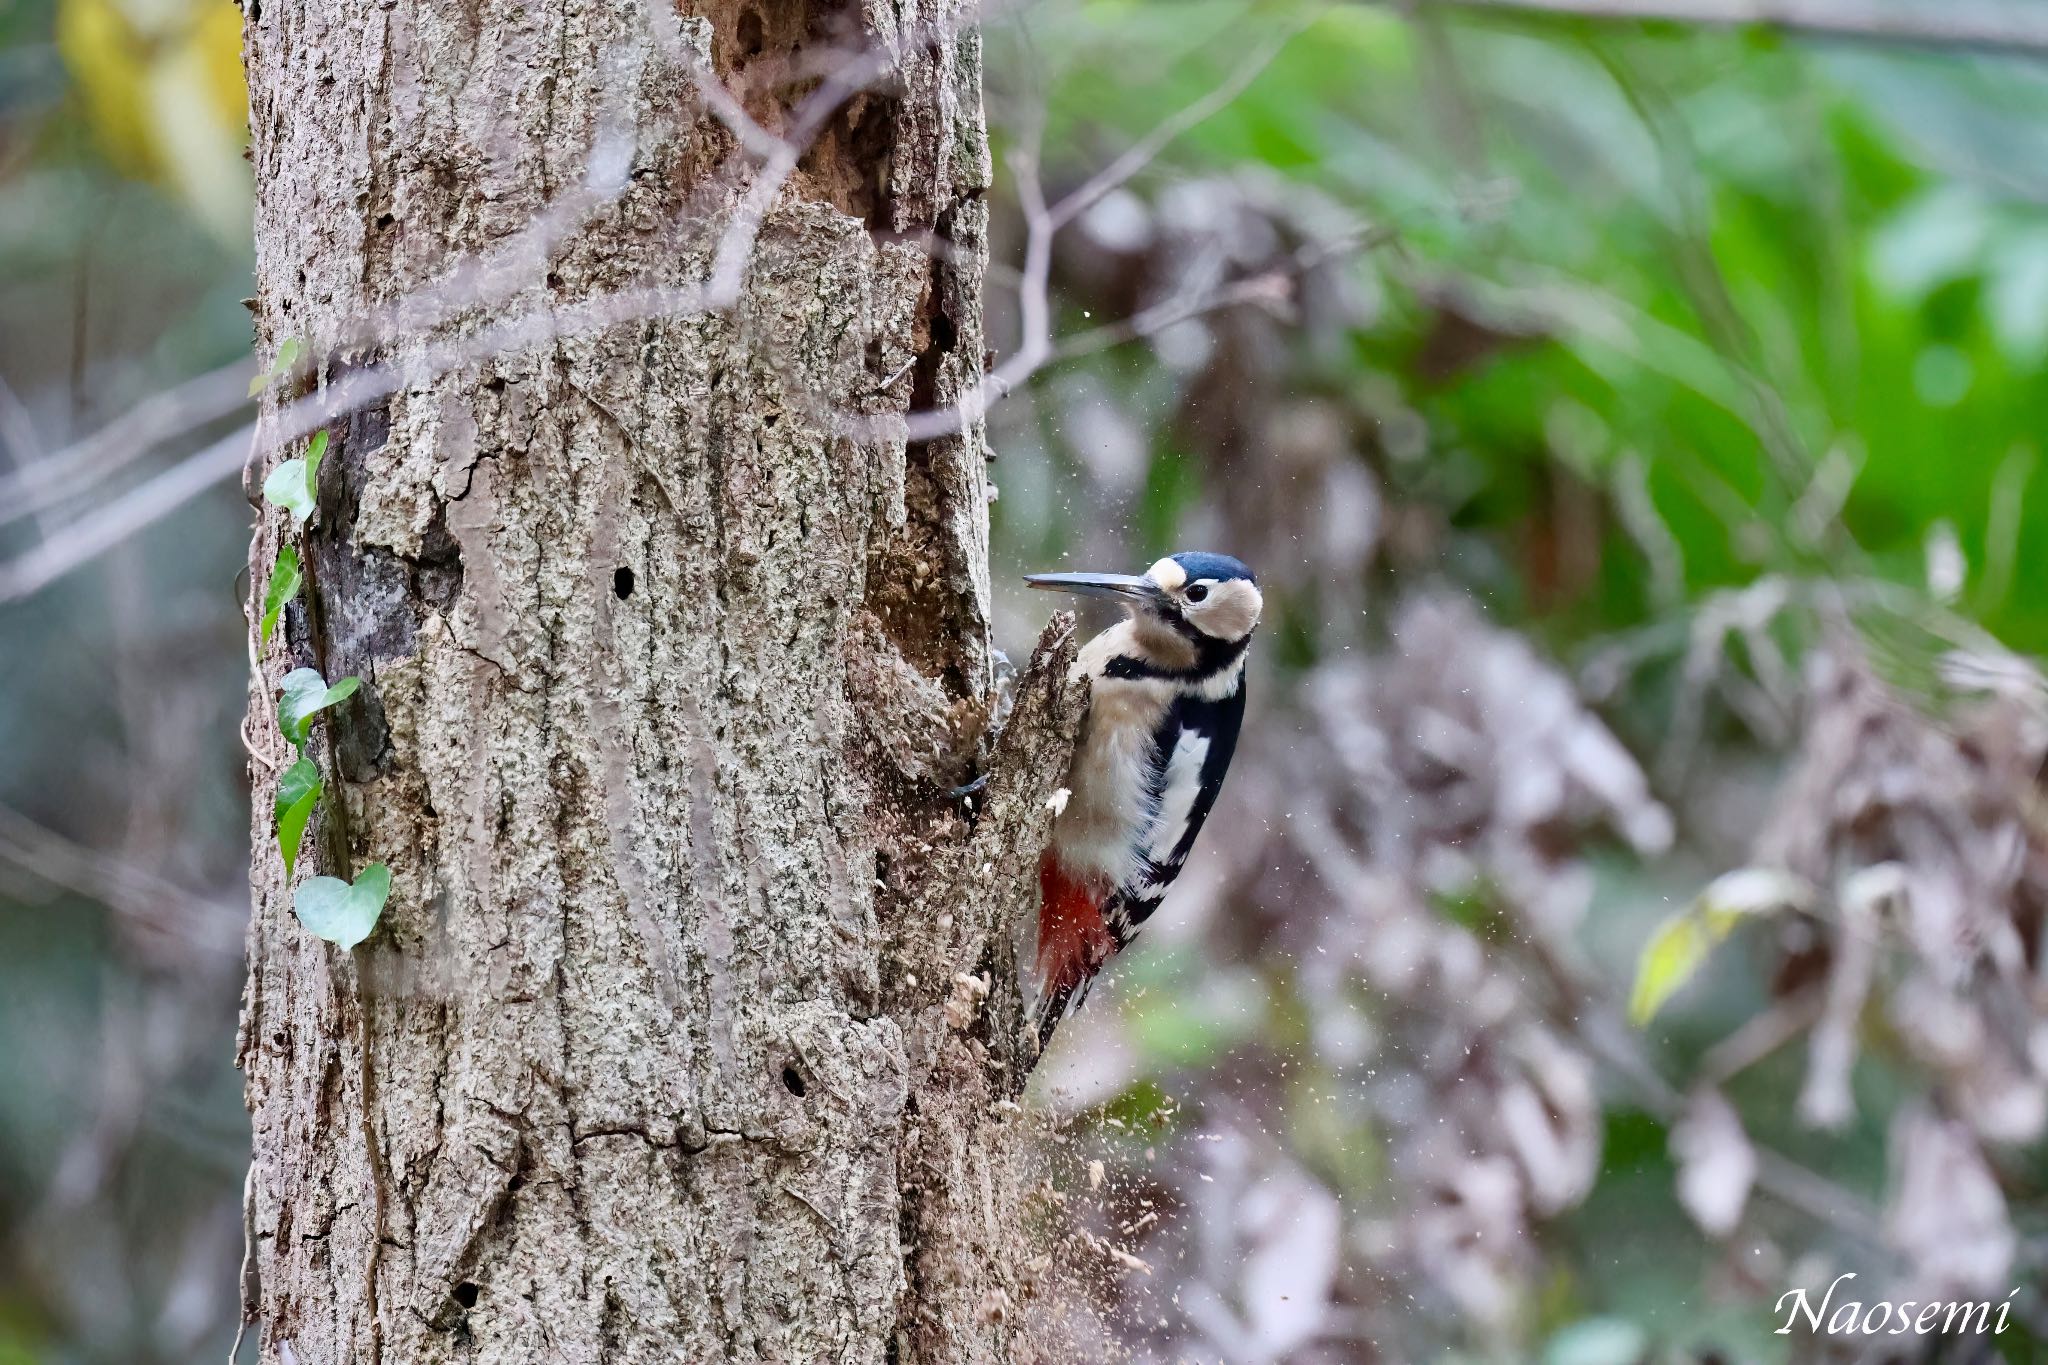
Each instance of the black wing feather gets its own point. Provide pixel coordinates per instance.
(1220, 720)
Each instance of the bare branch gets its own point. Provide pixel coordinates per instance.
(1268, 287)
(1036, 346)
(78, 541)
(140, 896)
(1146, 149)
(82, 465)
(464, 284)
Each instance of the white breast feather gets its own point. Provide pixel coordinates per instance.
(1100, 832)
(1104, 831)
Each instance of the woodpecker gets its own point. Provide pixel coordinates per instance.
(1162, 723)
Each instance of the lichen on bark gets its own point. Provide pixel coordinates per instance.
(660, 1052)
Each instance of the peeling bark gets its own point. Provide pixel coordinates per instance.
(671, 1045)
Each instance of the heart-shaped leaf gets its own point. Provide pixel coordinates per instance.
(284, 586)
(298, 791)
(303, 695)
(340, 912)
(295, 484)
(287, 359)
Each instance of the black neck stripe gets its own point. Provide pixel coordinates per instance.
(1212, 656)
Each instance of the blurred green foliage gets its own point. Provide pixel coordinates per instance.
(1668, 313)
(1723, 255)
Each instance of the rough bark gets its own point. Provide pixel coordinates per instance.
(659, 1051)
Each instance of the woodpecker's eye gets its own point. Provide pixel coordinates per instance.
(1196, 593)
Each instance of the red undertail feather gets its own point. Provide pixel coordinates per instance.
(1073, 940)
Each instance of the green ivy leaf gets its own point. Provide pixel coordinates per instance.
(287, 359)
(298, 791)
(286, 488)
(296, 782)
(285, 579)
(341, 912)
(303, 695)
(295, 484)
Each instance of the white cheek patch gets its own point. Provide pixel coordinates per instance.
(1234, 608)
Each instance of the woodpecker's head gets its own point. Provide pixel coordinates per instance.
(1201, 596)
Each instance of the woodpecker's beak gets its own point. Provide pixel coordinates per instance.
(1129, 587)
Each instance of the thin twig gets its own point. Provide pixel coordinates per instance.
(80, 540)
(24, 452)
(80, 466)
(1267, 287)
(134, 893)
(467, 283)
(1169, 130)
(1036, 346)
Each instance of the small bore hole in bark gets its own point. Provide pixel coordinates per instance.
(944, 336)
(384, 220)
(554, 280)
(622, 582)
(467, 1294)
(750, 33)
(792, 1081)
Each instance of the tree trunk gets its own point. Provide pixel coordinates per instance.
(658, 1053)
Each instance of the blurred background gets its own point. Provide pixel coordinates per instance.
(1628, 902)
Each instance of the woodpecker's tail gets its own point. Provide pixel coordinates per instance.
(1073, 943)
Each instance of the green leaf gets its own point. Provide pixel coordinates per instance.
(1674, 954)
(286, 488)
(296, 782)
(295, 484)
(304, 694)
(1681, 945)
(298, 791)
(341, 912)
(284, 586)
(287, 358)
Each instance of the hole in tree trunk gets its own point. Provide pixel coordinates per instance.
(467, 1294)
(793, 1081)
(622, 582)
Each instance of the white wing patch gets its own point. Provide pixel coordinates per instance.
(1177, 797)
